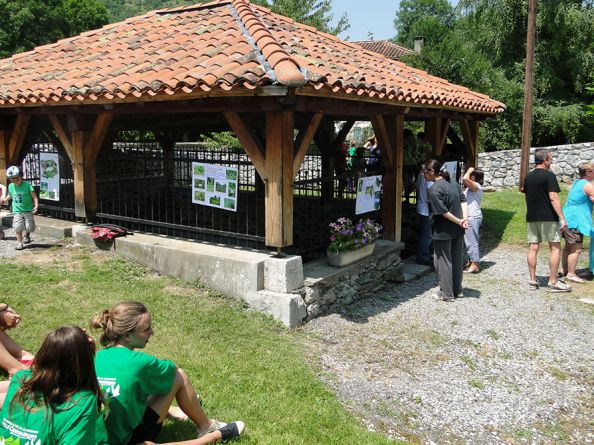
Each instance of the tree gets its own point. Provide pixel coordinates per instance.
(481, 46)
(426, 18)
(316, 13)
(26, 24)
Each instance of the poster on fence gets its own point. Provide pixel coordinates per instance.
(49, 174)
(369, 191)
(214, 186)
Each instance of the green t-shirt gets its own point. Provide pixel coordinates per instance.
(21, 197)
(72, 423)
(128, 378)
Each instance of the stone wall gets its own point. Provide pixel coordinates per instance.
(327, 289)
(502, 168)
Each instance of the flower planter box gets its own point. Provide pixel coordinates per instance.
(341, 259)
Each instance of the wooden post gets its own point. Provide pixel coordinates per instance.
(470, 131)
(433, 134)
(4, 138)
(389, 131)
(527, 116)
(279, 186)
(83, 147)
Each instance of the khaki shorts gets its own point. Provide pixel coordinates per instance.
(543, 231)
(23, 222)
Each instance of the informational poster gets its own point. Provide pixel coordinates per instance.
(49, 185)
(369, 191)
(214, 186)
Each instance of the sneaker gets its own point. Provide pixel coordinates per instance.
(438, 297)
(214, 425)
(232, 430)
(19, 246)
(533, 285)
(26, 239)
(558, 287)
(573, 278)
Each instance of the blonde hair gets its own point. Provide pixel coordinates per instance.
(584, 167)
(118, 321)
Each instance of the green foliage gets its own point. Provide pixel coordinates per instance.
(224, 139)
(122, 9)
(27, 24)
(316, 13)
(426, 18)
(481, 46)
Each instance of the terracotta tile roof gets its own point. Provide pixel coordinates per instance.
(385, 47)
(229, 46)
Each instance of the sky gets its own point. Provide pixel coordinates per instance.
(376, 16)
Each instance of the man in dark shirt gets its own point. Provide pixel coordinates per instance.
(544, 219)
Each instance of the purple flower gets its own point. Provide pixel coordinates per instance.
(364, 241)
(332, 238)
(359, 227)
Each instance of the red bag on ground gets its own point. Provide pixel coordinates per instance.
(107, 232)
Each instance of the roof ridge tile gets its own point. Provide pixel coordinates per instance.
(286, 68)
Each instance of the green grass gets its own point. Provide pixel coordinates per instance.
(504, 217)
(244, 365)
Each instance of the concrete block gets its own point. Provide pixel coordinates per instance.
(289, 309)
(283, 274)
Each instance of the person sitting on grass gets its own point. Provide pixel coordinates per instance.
(13, 357)
(58, 401)
(24, 205)
(140, 388)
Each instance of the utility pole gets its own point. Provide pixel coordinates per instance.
(527, 117)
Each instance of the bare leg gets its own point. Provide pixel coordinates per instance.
(572, 257)
(532, 255)
(11, 353)
(3, 390)
(185, 395)
(19, 237)
(564, 257)
(554, 260)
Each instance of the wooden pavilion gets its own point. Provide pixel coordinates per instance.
(224, 65)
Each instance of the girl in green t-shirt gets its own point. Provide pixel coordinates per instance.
(139, 388)
(58, 401)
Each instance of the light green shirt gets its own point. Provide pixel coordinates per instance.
(21, 197)
(72, 422)
(128, 378)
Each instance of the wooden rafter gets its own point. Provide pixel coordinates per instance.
(303, 141)
(97, 137)
(445, 125)
(470, 132)
(247, 140)
(17, 137)
(383, 138)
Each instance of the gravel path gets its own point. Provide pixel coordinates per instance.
(502, 365)
(37, 242)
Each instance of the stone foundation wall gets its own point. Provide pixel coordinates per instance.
(339, 287)
(502, 168)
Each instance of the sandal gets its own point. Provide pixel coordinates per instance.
(574, 278)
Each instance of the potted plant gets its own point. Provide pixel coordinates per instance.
(351, 242)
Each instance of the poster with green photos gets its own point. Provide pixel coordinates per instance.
(214, 186)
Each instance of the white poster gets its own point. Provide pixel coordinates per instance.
(214, 186)
(49, 184)
(369, 191)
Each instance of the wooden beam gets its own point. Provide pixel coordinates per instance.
(433, 134)
(97, 137)
(4, 139)
(17, 137)
(250, 145)
(392, 179)
(341, 136)
(78, 144)
(383, 138)
(304, 141)
(471, 134)
(279, 184)
(62, 135)
(445, 125)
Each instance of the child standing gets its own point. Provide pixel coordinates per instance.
(2, 197)
(24, 205)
